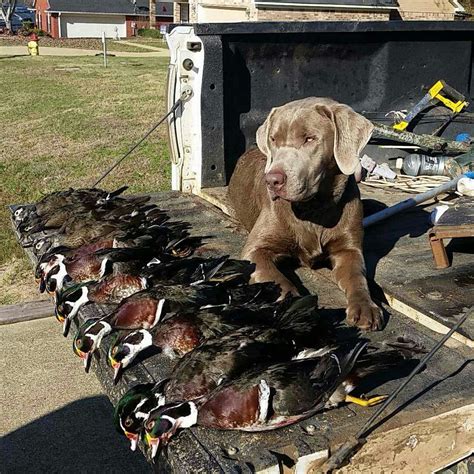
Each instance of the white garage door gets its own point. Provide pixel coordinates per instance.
(92, 26)
(221, 15)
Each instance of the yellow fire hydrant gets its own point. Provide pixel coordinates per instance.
(33, 47)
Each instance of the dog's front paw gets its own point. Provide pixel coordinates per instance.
(287, 288)
(364, 314)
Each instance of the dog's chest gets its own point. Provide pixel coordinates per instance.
(310, 247)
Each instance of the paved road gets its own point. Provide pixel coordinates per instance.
(8, 51)
(54, 417)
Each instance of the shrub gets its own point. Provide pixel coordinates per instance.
(149, 33)
(27, 29)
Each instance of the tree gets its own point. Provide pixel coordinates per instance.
(7, 8)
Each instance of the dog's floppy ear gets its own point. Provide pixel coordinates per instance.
(352, 132)
(262, 135)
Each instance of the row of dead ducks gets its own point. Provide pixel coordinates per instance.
(243, 360)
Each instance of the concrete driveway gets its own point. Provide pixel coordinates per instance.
(54, 417)
(8, 51)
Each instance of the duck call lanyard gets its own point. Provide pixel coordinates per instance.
(184, 97)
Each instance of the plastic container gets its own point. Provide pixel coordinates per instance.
(416, 165)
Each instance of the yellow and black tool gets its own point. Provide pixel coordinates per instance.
(442, 92)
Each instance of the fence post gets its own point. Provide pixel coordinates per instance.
(104, 48)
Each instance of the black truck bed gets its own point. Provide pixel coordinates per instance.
(399, 262)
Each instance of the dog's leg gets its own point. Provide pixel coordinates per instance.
(265, 268)
(349, 273)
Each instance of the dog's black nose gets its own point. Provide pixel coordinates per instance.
(275, 179)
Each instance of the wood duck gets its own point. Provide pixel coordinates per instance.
(145, 309)
(83, 266)
(69, 218)
(118, 286)
(169, 241)
(133, 409)
(110, 290)
(181, 333)
(175, 336)
(281, 394)
(125, 234)
(216, 360)
(92, 197)
(88, 339)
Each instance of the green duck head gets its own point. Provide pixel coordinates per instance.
(124, 350)
(163, 422)
(88, 339)
(132, 410)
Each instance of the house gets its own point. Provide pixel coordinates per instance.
(203, 11)
(89, 18)
(438, 10)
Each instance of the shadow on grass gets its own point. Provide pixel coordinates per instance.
(79, 437)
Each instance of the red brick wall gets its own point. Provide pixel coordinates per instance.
(41, 15)
(54, 25)
(143, 22)
(306, 14)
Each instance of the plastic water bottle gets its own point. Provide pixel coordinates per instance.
(415, 165)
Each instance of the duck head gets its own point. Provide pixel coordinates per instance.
(163, 422)
(56, 276)
(88, 339)
(69, 302)
(41, 246)
(23, 213)
(132, 411)
(123, 352)
(44, 266)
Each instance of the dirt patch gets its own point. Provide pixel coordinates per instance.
(78, 43)
(17, 282)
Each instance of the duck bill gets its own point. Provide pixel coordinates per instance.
(66, 326)
(117, 366)
(153, 443)
(86, 358)
(133, 438)
(87, 361)
(59, 316)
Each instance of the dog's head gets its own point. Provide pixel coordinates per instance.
(307, 139)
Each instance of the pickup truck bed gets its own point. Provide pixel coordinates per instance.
(434, 408)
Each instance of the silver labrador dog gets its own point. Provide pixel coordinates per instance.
(297, 196)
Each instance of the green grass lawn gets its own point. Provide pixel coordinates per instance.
(64, 120)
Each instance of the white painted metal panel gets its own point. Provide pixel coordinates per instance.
(92, 26)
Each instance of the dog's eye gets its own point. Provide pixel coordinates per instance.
(309, 139)
(272, 139)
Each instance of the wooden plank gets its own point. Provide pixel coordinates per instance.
(424, 319)
(201, 449)
(437, 441)
(15, 313)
